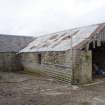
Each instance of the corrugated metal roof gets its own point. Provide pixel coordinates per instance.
(12, 43)
(61, 41)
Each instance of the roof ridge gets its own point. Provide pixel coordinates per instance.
(15, 35)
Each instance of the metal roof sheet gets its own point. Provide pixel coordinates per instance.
(62, 41)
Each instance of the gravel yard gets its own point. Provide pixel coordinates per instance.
(24, 89)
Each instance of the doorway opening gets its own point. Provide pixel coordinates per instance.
(39, 58)
(98, 60)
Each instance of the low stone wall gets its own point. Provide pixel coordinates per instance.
(10, 62)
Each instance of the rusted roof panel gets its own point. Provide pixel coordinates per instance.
(64, 40)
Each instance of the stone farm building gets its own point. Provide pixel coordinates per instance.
(68, 55)
(9, 47)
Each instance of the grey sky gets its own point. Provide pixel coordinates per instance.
(39, 17)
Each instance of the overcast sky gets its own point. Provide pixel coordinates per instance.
(39, 17)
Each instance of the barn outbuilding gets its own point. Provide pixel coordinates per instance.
(68, 55)
(9, 47)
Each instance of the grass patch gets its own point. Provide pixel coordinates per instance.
(31, 72)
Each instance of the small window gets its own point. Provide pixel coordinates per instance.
(39, 58)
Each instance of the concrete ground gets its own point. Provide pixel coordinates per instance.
(23, 89)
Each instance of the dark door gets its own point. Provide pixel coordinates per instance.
(39, 58)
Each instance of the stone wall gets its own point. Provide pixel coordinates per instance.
(54, 58)
(66, 66)
(82, 67)
(10, 62)
(85, 74)
(53, 64)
